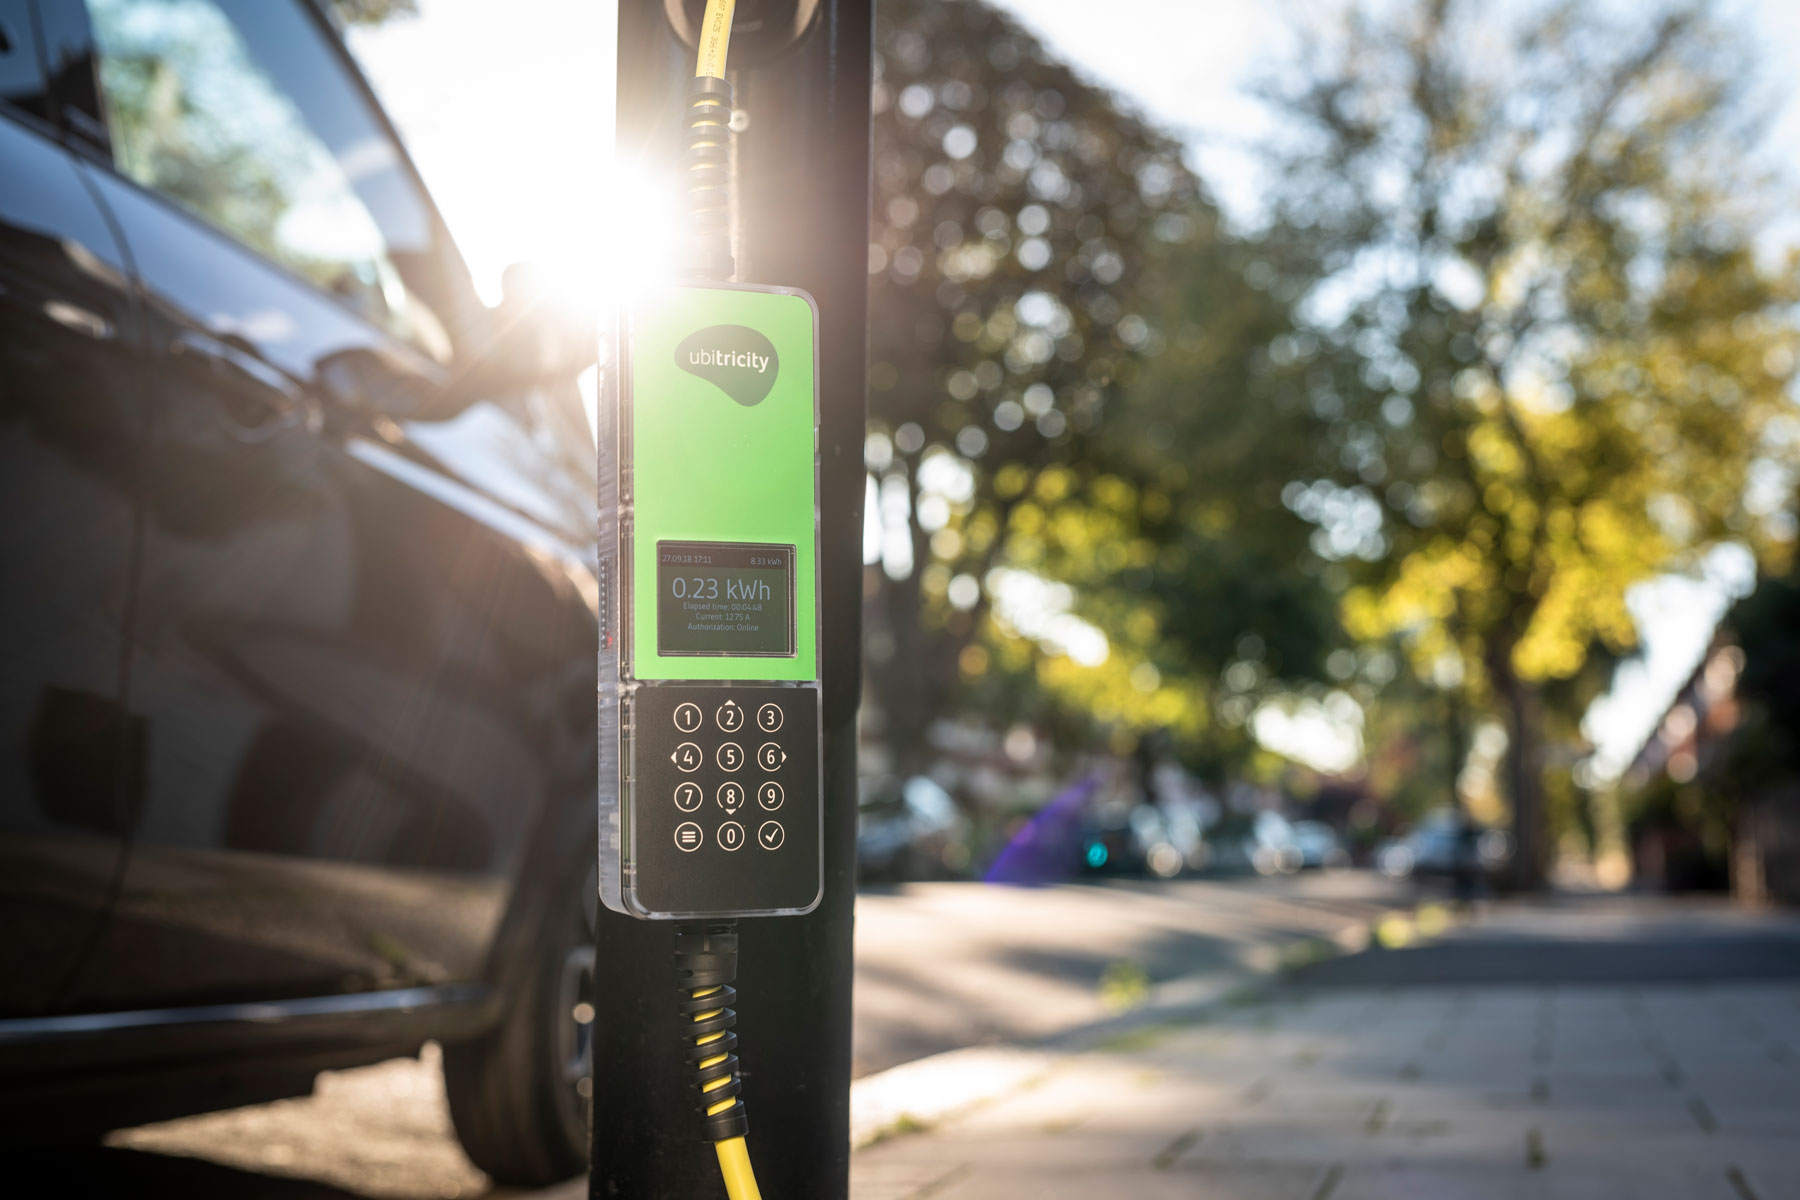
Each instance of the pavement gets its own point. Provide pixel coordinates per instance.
(1605, 1049)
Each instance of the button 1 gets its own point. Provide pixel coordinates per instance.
(731, 795)
(771, 835)
(687, 717)
(687, 756)
(768, 718)
(731, 756)
(730, 717)
(731, 835)
(769, 795)
(688, 796)
(688, 836)
(770, 756)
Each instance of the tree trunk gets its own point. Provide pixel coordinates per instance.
(1524, 781)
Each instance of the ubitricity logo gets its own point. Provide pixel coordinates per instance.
(736, 358)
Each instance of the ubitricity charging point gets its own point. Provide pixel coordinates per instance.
(710, 790)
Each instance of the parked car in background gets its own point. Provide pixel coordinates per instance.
(297, 739)
(1319, 846)
(910, 830)
(1446, 844)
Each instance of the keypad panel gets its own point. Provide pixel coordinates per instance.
(751, 842)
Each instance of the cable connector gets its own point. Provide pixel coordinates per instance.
(706, 169)
(706, 961)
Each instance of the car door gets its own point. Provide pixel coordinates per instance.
(72, 436)
(357, 656)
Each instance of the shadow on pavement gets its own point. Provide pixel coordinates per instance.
(103, 1171)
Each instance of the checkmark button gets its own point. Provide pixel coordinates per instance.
(771, 835)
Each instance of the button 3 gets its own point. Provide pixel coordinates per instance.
(687, 717)
(768, 718)
(688, 836)
(769, 795)
(731, 835)
(771, 835)
(688, 797)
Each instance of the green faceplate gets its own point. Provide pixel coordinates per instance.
(723, 420)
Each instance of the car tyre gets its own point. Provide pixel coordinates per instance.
(521, 1095)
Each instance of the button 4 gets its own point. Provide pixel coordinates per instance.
(687, 756)
(769, 795)
(768, 718)
(731, 756)
(687, 717)
(770, 835)
(730, 717)
(731, 835)
(770, 756)
(689, 837)
(688, 797)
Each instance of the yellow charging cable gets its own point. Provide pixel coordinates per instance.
(715, 38)
(734, 1153)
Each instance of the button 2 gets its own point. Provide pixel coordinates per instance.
(731, 835)
(688, 836)
(771, 835)
(731, 756)
(770, 756)
(730, 717)
(769, 795)
(768, 718)
(687, 717)
(688, 797)
(687, 756)
(731, 795)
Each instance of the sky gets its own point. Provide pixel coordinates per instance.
(510, 123)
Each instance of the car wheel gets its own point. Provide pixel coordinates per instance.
(521, 1095)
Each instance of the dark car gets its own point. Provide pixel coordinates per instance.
(297, 653)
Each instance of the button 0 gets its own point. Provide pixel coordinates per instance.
(731, 756)
(771, 835)
(730, 717)
(731, 796)
(768, 718)
(688, 836)
(688, 797)
(769, 756)
(687, 717)
(731, 835)
(769, 795)
(687, 756)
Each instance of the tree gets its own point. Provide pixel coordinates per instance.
(1545, 356)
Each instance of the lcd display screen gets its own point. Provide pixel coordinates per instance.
(729, 599)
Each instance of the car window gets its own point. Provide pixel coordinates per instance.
(22, 84)
(238, 111)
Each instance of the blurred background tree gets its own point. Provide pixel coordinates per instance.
(1542, 355)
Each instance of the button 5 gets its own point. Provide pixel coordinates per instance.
(731, 756)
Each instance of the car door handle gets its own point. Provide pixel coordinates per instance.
(259, 401)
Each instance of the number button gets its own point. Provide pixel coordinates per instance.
(687, 717)
(688, 797)
(731, 795)
(769, 795)
(687, 756)
(731, 756)
(731, 835)
(768, 718)
(771, 835)
(688, 837)
(770, 756)
(730, 717)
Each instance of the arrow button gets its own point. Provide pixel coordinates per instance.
(770, 756)
(687, 756)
